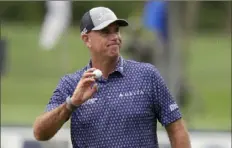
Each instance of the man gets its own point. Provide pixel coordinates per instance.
(121, 108)
(57, 20)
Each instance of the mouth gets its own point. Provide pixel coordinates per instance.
(115, 44)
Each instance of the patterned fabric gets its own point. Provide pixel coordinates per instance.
(124, 111)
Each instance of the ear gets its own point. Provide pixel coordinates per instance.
(86, 39)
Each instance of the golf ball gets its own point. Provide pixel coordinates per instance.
(97, 73)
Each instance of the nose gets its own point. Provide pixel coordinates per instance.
(114, 36)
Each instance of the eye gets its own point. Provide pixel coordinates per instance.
(117, 29)
(105, 31)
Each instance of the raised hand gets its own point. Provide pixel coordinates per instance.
(85, 89)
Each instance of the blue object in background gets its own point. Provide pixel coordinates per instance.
(155, 17)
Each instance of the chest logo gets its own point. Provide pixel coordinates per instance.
(131, 93)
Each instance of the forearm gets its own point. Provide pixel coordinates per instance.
(178, 135)
(180, 140)
(47, 125)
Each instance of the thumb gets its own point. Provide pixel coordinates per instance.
(94, 88)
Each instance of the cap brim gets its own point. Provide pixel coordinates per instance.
(120, 22)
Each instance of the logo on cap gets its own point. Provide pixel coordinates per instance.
(84, 31)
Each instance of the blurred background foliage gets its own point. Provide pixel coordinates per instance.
(211, 14)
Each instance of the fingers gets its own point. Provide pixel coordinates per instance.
(90, 70)
(88, 81)
(95, 88)
(89, 73)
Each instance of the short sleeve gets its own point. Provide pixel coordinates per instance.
(166, 108)
(59, 95)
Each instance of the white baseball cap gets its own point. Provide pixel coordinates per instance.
(98, 18)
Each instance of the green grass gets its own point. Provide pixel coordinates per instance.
(33, 74)
(210, 75)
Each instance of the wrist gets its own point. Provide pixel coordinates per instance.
(69, 104)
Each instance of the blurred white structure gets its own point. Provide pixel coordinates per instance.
(11, 140)
(56, 21)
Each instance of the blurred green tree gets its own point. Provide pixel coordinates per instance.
(212, 15)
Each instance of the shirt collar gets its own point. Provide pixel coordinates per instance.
(119, 67)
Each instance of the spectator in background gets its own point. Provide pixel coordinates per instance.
(155, 18)
(57, 20)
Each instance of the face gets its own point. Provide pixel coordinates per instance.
(104, 43)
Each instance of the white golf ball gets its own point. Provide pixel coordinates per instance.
(97, 73)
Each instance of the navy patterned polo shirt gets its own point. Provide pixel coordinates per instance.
(124, 111)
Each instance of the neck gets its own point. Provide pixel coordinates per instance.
(106, 65)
